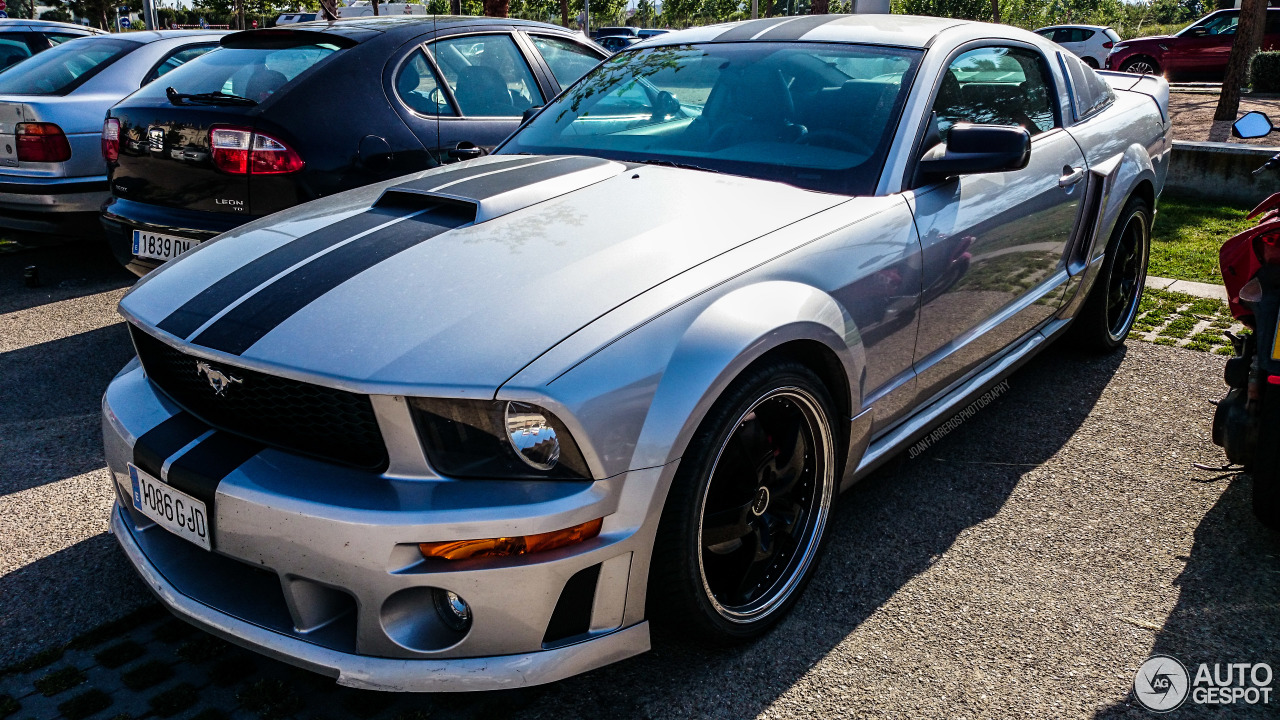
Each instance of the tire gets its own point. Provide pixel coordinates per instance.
(734, 498)
(1090, 62)
(1265, 469)
(1140, 63)
(1108, 314)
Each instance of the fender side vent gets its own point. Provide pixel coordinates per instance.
(572, 616)
(1087, 229)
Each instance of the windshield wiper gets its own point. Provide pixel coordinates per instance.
(682, 166)
(209, 98)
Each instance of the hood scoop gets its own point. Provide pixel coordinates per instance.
(495, 189)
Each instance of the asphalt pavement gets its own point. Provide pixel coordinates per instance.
(1025, 565)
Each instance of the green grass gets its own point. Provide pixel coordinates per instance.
(174, 700)
(85, 704)
(147, 675)
(59, 680)
(1187, 235)
(122, 653)
(8, 706)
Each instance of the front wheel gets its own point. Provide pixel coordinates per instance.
(744, 521)
(1265, 469)
(1112, 306)
(1141, 65)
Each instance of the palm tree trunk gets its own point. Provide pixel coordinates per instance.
(564, 13)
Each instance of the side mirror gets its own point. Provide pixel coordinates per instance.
(529, 113)
(1252, 125)
(972, 149)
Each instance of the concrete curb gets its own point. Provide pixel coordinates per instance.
(1221, 171)
(1187, 287)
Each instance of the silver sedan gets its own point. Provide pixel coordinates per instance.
(478, 427)
(53, 177)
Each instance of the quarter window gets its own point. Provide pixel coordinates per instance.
(487, 74)
(419, 87)
(176, 59)
(13, 49)
(996, 86)
(568, 60)
(1090, 92)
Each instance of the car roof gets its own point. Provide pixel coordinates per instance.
(897, 30)
(1069, 26)
(363, 28)
(47, 25)
(150, 36)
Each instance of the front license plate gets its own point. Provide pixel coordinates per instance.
(174, 510)
(160, 247)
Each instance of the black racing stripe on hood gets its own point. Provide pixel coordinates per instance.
(488, 186)
(214, 299)
(157, 444)
(261, 313)
(462, 172)
(750, 29)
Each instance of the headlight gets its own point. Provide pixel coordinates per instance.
(497, 439)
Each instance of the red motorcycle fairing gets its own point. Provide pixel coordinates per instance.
(1242, 256)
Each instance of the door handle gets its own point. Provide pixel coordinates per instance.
(1071, 176)
(465, 151)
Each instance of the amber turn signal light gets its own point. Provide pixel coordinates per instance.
(508, 546)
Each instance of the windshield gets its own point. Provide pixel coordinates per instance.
(254, 73)
(63, 68)
(813, 115)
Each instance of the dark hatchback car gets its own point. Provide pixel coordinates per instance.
(20, 39)
(277, 117)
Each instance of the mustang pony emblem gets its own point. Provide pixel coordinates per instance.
(218, 380)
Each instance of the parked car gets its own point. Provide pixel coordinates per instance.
(1197, 52)
(477, 426)
(1090, 43)
(281, 116)
(52, 175)
(651, 32)
(20, 39)
(623, 30)
(290, 18)
(617, 43)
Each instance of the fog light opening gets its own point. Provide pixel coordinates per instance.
(454, 612)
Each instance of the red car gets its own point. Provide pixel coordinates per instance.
(1198, 52)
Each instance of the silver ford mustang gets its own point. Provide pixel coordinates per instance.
(477, 427)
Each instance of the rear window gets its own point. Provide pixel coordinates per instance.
(64, 68)
(1112, 35)
(254, 73)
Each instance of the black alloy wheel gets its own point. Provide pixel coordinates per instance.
(744, 522)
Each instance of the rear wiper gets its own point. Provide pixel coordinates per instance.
(209, 98)
(682, 166)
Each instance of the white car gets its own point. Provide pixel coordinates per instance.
(1090, 43)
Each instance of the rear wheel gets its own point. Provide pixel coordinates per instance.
(1141, 65)
(743, 524)
(1090, 62)
(1108, 314)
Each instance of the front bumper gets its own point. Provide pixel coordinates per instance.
(119, 218)
(51, 205)
(317, 565)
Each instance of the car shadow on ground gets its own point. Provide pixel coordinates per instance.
(66, 269)
(885, 531)
(1228, 609)
(50, 395)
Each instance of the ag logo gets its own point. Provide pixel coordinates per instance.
(1161, 684)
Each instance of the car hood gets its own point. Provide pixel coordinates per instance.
(451, 281)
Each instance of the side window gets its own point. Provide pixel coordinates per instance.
(1080, 35)
(1048, 34)
(177, 58)
(487, 74)
(1273, 22)
(1089, 91)
(567, 59)
(1222, 24)
(419, 88)
(59, 38)
(13, 49)
(996, 86)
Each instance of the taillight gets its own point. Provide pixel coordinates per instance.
(240, 152)
(111, 140)
(1108, 45)
(42, 142)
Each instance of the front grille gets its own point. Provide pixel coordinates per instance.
(296, 416)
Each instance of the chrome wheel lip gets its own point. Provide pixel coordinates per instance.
(820, 427)
(1120, 328)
